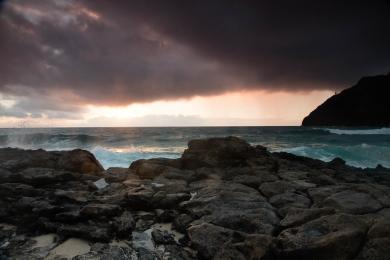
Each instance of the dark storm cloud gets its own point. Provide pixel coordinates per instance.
(123, 51)
(287, 43)
(66, 45)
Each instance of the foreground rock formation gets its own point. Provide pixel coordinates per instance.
(223, 199)
(365, 104)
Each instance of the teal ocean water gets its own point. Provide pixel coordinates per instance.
(121, 146)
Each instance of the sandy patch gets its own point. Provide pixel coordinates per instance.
(44, 240)
(69, 249)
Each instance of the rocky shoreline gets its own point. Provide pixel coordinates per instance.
(223, 199)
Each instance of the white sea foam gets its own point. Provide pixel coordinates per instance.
(146, 149)
(363, 155)
(312, 152)
(376, 131)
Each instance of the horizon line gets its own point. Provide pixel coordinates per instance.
(178, 126)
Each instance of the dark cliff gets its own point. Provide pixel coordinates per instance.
(365, 104)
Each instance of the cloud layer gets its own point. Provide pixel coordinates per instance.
(121, 52)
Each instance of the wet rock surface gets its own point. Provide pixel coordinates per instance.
(223, 199)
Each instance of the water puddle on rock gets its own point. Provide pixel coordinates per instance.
(144, 240)
(47, 240)
(168, 228)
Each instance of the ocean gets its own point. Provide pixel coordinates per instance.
(118, 147)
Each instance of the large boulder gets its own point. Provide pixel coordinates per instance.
(208, 239)
(139, 198)
(15, 159)
(78, 160)
(146, 169)
(124, 225)
(219, 152)
(214, 242)
(234, 206)
(254, 247)
(330, 237)
(149, 169)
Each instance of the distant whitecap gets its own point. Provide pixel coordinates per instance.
(376, 131)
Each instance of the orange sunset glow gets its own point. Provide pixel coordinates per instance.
(251, 108)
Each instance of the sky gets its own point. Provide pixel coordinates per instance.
(183, 63)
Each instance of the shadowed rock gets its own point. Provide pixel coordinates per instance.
(329, 237)
(78, 160)
(352, 202)
(219, 152)
(378, 241)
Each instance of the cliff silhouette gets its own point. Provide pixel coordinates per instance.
(365, 104)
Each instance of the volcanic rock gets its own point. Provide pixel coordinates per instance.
(223, 199)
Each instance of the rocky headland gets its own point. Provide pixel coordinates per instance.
(223, 199)
(364, 104)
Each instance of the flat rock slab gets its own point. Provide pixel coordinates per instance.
(352, 202)
(297, 216)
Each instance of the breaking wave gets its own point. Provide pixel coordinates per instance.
(119, 147)
(363, 155)
(377, 131)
